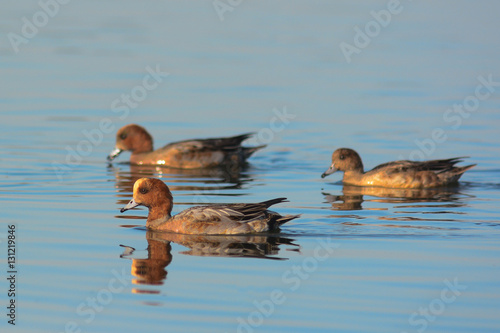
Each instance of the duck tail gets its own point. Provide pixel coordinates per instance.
(269, 203)
(238, 139)
(460, 170)
(276, 220)
(284, 219)
(454, 160)
(452, 176)
(248, 151)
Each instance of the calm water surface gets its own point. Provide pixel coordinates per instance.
(358, 260)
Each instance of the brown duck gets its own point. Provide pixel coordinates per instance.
(397, 174)
(188, 154)
(218, 219)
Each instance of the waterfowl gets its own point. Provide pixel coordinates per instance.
(397, 174)
(218, 219)
(188, 154)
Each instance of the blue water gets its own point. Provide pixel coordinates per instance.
(358, 260)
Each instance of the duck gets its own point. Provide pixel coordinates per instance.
(187, 154)
(396, 174)
(215, 219)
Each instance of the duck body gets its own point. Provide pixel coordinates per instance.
(187, 154)
(396, 174)
(224, 219)
(218, 219)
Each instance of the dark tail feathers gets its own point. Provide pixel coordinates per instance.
(248, 151)
(269, 203)
(284, 219)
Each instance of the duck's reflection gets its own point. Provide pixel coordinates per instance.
(151, 270)
(126, 175)
(352, 197)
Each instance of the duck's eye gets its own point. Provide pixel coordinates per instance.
(143, 190)
(123, 136)
(341, 157)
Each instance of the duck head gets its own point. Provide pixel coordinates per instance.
(133, 138)
(344, 159)
(153, 194)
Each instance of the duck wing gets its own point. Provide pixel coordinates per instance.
(240, 212)
(437, 166)
(213, 144)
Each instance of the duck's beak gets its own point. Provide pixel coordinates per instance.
(114, 153)
(130, 205)
(330, 170)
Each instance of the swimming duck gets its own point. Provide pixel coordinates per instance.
(397, 174)
(218, 219)
(188, 154)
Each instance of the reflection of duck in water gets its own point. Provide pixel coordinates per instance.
(242, 218)
(248, 246)
(188, 154)
(344, 202)
(151, 271)
(397, 174)
(210, 179)
(353, 196)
